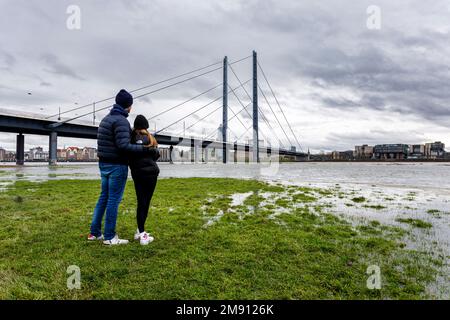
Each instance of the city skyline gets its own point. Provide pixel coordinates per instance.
(429, 150)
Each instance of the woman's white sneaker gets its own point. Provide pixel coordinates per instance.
(91, 237)
(145, 238)
(115, 241)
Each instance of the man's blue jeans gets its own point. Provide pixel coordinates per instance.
(114, 178)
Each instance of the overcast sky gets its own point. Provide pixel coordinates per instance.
(339, 82)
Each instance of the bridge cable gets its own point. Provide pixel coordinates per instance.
(141, 88)
(264, 136)
(234, 116)
(202, 107)
(245, 132)
(203, 118)
(273, 93)
(137, 97)
(152, 85)
(184, 102)
(267, 101)
(248, 95)
(259, 108)
(251, 99)
(188, 115)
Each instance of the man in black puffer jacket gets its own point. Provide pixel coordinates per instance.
(114, 149)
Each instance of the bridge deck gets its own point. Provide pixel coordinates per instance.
(30, 125)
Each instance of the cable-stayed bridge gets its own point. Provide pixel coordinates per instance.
(56, 125)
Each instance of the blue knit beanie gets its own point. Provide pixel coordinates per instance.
(124, 99)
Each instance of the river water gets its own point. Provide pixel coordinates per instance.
(400, 190)
(410, 175)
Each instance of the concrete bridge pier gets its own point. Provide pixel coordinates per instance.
(20, 149)
(247, 153)
(53, 146)
(192, 150)
(196, 153)
(195, 150)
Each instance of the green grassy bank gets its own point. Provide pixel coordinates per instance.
(256, 250)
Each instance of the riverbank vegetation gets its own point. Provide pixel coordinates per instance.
(214, 239)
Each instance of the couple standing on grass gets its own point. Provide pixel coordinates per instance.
(119, 146)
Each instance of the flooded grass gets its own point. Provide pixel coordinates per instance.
(3, 173)
(375, 206)
(359, 199)
(415, 223)
(215, 239)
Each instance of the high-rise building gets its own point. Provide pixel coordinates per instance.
(416, 151)
(391, 151)
(363, 152)
(434, 150)
(342, 155)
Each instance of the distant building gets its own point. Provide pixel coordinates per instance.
(10, 156)
(61, 155)
(391, 151)
(72, 153)
(322, 156)
(364, 152)
(342, 155)
(87, 154)
(80, 154)
(416, 151)
(434, 150)
(37, 154)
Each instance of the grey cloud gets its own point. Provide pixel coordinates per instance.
(8, 60)
(54, 65)
(381, 83)
(146, 99)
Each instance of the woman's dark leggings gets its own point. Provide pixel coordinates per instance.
(144, 192)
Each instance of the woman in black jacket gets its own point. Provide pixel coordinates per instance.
(144, 171)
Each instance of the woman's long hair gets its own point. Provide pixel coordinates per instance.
(151, 138)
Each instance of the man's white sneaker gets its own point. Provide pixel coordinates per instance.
(115, 241)
(91, 237)
(145, 238)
